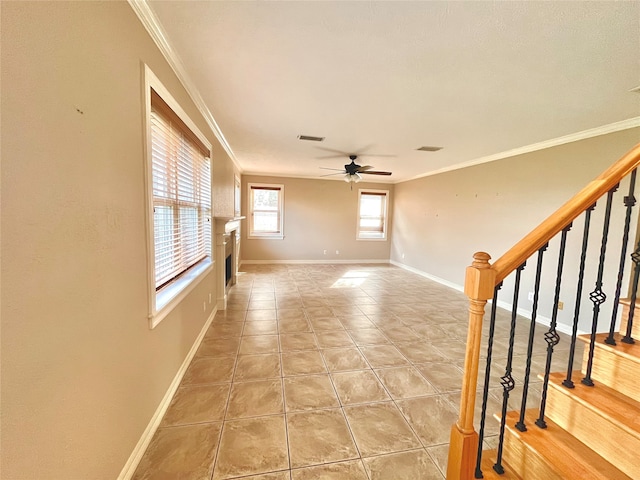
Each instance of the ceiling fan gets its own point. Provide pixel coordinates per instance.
(353, 172)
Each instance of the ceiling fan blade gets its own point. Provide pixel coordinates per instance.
(330, 174)
(326, 157)
(366, 167)
(381, 155)
(363, 150)
(375, 172)
(336, 169)
(343, 154)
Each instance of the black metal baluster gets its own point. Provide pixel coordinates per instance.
(629, 202)
(487, 375)
(568, 382)
(507, 381)
(520, 425)
(635, 257)
(551, 337)
(598, 297)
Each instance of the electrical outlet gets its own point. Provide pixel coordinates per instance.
(337, 252)
(530, 296)
(403, 256)
(325, 252)
(560, 305)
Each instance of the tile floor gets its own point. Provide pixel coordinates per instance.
(329, 372)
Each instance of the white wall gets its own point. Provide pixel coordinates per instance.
(441, 221)
(82, 374)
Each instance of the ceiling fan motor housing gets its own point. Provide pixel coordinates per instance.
(352, 168)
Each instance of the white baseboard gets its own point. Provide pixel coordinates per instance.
(314, 262)
(541, 319)
(134, 459)
(439, 280)
(561, 327)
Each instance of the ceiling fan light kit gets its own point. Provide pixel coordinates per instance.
(355, 178)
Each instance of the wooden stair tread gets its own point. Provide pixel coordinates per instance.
(630, 351)
(617, 366)
(606, 401)
(568, 456)
(487, 463)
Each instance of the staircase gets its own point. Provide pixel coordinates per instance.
(586, 424)
(592, 431)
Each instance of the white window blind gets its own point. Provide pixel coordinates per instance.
(266, 210)
(372, 221)
(181, 194)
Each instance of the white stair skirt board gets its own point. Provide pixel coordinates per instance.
(134, 459)
(566, 329)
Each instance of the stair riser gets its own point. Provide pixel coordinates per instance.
(527, 463)
(616, 371)
(635, 331)
(595, 431)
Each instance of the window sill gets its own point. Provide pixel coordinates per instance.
(372, 239)
(173, 293)
(265, 237)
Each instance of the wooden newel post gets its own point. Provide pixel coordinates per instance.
(479, 285)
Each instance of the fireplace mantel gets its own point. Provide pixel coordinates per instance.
(227, 232)
(227, 224)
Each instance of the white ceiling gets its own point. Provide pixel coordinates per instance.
(477, 78)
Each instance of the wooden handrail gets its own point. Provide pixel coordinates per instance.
(566, 214)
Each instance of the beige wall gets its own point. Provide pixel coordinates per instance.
(224, 173)
(318, 215)
(82, 374)
(441, 220)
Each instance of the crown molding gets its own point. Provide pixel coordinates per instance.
(157, 33)
(554, 142)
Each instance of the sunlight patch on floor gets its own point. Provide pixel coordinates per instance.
(351, 279)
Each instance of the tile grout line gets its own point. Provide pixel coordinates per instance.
(393, 400)
(280, 280)
(226, 409)
(344, 415)
(415, 433)
(284, 397)
(411, 365)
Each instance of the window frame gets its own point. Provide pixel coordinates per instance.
(251, 234)
(385, 214)
(163, 300)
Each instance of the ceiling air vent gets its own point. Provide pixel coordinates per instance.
(429, 149)
(310, 138)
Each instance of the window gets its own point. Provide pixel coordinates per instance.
(179, 173)
(372, 214)
(265, 215)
